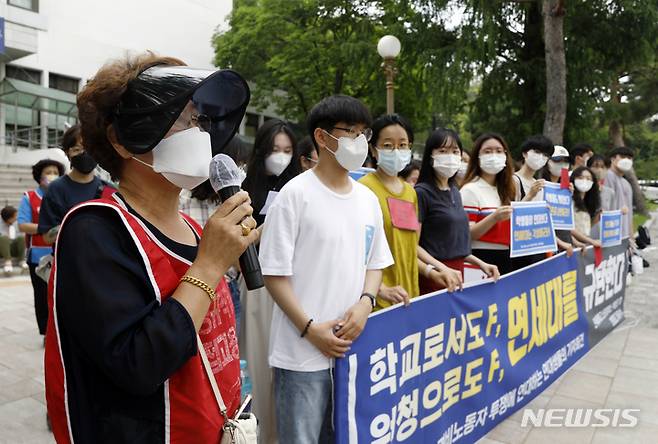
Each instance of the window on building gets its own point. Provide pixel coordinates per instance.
(25, 74)
(63, 83)
(251, 125)
(32, 5)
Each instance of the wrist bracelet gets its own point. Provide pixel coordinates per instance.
(202, 285)
(308, 324)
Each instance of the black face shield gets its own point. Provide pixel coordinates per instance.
(154, 100)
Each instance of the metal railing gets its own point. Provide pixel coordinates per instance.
(30, 138)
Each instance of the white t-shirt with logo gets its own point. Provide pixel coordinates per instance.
(325, 242)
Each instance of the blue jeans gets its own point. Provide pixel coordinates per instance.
(304, 405)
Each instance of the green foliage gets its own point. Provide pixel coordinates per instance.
(484, 73)
(314, 48)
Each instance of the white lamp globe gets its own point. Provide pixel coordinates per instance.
(388, 47)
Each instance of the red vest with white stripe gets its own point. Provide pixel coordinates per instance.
(34, 240)
(191, 411)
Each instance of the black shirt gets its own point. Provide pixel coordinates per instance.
(445, 233)
(62, 195)
(118, 344)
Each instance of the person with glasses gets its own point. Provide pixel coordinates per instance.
(140, 316)
(308, 155)
(487, 194)
(322, 254)
(444, 234)
(391, 147)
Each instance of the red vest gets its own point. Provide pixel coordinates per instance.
(34, 240)
(191, 412)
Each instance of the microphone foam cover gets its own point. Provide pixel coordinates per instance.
(224, 172)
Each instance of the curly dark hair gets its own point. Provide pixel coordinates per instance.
(98, 100)
(37, 168)
(592, 201)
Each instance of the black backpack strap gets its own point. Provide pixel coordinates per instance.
(520, 186)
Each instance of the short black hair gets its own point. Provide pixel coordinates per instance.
(410, 168)
(578, 150)
(338, 108)
(37, 168)
(436, 139)
(70, 137)
(8, 212)
(596, 158)
(539, 143)
(621, 151)
(306, 147)
(391, 119)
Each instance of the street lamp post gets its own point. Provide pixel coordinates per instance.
(388, 48)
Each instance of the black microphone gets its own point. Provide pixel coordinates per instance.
(226, 179)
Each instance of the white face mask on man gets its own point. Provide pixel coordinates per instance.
(535, 160)
(351, 153)
(183, 158)
(555, 168)
(625, 164)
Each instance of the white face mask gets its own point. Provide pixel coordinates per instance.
(535, 160)
(393, 161)
(276, 163)
(446, 165)
(625, 164)
(493, 163)
(583, 185)
(183, 158)
(48, 179)
(351, 153)
(556, 168)
(461, 172)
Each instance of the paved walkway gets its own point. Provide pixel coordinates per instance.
(621, 372)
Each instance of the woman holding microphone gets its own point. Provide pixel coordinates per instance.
(136, 285)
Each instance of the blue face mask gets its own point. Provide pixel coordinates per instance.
(393, 161)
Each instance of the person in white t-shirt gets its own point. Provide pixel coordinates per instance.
(322, 253)
(536, 150)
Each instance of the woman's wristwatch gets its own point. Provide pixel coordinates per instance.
(373, 299)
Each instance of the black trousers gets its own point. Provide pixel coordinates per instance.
(40, 288)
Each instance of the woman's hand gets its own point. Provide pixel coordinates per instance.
(502, 213)
(394, 295)
(536, 187)
(222, 241)
(490, 270)
(448, 278)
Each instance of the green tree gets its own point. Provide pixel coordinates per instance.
(294, 53)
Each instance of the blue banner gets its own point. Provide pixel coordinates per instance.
(457, 364)
(531, 229)
(2, 35)
(610, 228)
(560, 201)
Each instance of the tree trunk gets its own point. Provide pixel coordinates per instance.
(616, 133)
(556, 70)
(638, 197)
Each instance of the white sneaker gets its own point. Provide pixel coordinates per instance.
(8, 268)
(24, 265)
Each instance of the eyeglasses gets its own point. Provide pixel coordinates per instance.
(367, 132)
(390, 147)
(202, 121)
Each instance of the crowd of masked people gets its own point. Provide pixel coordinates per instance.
(145, 307)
